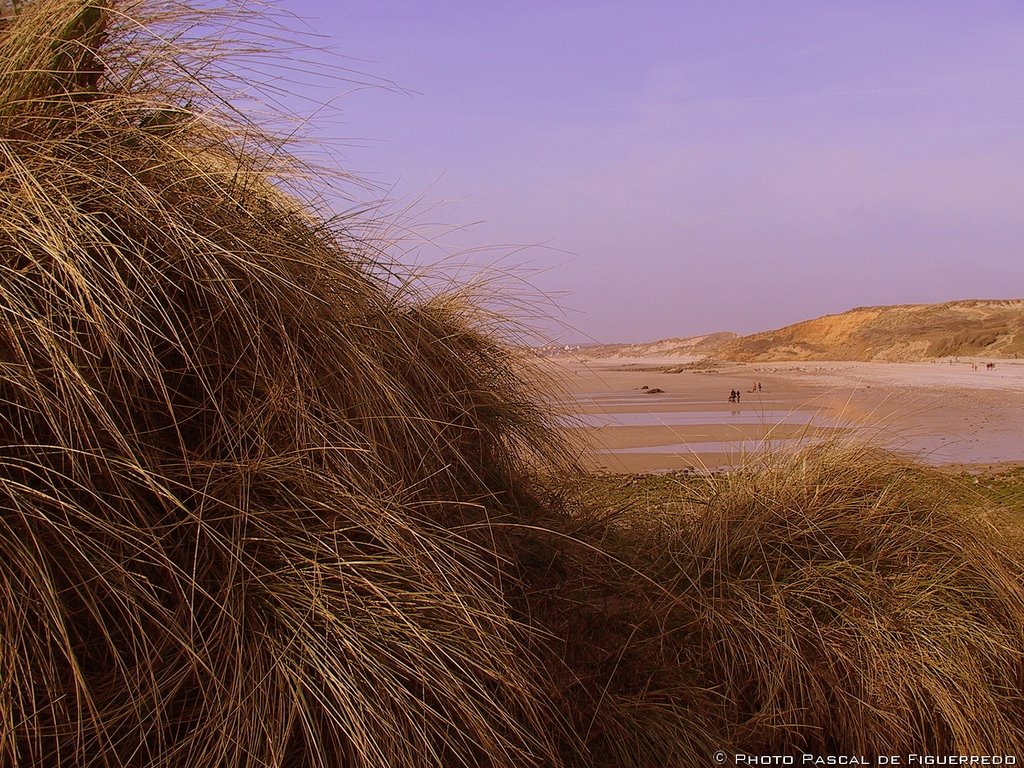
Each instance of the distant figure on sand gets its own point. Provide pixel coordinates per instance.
(733, 395)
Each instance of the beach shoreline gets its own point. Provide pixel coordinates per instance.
(955, 416)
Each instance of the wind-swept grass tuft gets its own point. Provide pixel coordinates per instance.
(246, 483)
(844, 600)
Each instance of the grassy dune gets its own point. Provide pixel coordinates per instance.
(841, 600)
(246, 481)
(265, 503)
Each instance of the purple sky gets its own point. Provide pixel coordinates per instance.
(681, 167)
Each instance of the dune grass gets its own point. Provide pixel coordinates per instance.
(842, 600)
(246, 482)
(265, 503)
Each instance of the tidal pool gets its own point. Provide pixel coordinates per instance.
(683, 418)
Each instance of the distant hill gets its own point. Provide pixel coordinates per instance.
(692, 346)
(904, 332)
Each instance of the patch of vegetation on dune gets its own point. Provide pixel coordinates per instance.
(1005, 490)
(840, 600)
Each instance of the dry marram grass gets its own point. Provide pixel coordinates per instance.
(844, 600)
(245, 484)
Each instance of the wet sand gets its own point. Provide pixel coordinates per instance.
(947, 415)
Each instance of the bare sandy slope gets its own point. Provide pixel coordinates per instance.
(944, 414)
(991, 328)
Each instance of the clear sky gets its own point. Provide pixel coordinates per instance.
(687, 167)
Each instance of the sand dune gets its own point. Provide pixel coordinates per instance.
(893, 333)
(990, 328)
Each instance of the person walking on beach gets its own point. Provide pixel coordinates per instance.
(732, 395)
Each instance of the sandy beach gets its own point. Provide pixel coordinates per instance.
(960, 415)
